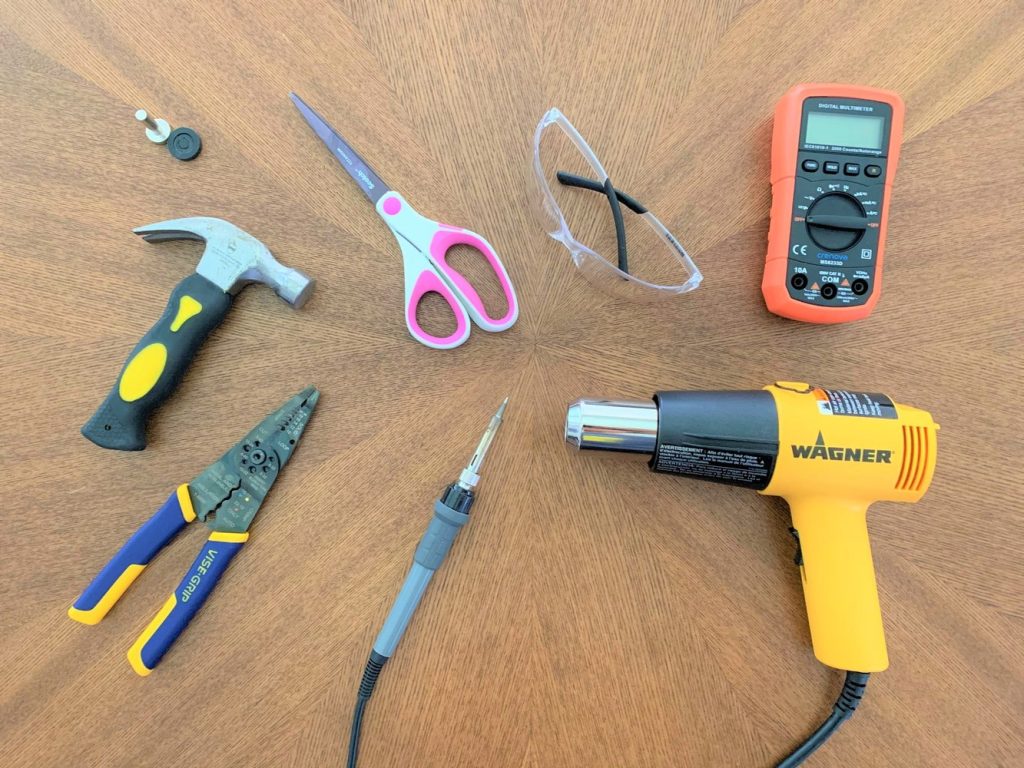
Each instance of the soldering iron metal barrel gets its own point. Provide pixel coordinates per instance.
(613, 425)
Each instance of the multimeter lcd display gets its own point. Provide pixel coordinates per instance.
(832, 130)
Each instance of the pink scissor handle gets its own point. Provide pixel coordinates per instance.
(443, 240)
(425, 245)
(426, 282)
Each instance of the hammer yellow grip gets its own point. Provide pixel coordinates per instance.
(839, 584)
(157, 363)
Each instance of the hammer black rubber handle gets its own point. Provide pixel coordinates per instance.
(157, 364)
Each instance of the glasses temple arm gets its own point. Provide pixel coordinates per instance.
(620, 227)
(613, 195)
(572, 180)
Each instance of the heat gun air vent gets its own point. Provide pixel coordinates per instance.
(917, 449)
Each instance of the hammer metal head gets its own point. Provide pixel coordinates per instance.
(233, 258)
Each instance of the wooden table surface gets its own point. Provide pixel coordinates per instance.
(592, 613)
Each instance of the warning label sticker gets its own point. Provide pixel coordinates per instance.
(753, 470)
(842, 402)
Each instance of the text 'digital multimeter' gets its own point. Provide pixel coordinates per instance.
(834, 153)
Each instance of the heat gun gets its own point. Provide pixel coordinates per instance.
(829, 453)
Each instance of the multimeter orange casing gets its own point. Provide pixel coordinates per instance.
(829, 270)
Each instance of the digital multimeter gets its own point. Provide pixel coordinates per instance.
(834, 153)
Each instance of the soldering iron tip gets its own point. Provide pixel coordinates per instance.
(473, 468)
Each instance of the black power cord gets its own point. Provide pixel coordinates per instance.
(846, 704)
(849, 698)
(373, 667)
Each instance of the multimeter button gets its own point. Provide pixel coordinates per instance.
(873, 171)
(829, 291)
(831, 167)
(810, 165)
(852, 169)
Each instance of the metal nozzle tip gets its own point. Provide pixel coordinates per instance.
(501, 409)
(612, 425)
(574, 424)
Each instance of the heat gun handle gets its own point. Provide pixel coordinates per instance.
(839, 584)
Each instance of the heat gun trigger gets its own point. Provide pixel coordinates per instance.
(798, 556)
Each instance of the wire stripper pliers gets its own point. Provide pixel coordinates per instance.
(226, 496)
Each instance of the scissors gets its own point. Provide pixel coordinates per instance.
(425, 244)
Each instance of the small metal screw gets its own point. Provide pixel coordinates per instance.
(157, 129)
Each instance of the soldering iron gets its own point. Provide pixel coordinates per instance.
(451, 513)
(829, 454)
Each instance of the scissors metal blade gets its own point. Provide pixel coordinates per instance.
(357, 168)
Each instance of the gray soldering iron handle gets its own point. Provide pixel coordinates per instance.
(431, 552)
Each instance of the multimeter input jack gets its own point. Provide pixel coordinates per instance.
(859, 287)
(798, 281)
(829, 291)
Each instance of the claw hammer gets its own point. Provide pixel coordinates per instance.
(232, 259)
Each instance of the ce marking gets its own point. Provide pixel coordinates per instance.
(799, 250)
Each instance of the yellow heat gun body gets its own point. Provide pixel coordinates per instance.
(828, 453)
(838, 453)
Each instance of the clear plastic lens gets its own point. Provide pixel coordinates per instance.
(582, 221)
(557, 148)
(550, 215)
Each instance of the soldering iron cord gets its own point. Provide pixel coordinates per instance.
(846, 704)
(370, 674)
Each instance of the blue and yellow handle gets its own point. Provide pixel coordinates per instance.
(186, 601)
(157, 364)
(115, 578)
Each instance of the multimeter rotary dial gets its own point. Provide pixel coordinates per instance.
(836, 221)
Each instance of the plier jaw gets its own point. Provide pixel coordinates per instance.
(227, 497)
(228, 494)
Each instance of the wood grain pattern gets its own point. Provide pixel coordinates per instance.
(592, 614)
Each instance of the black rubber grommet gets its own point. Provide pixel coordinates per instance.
(184, 144)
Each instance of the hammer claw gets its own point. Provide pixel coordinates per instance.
(168, 234)
(191, 228)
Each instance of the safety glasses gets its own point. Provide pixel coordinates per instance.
(572, 183)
